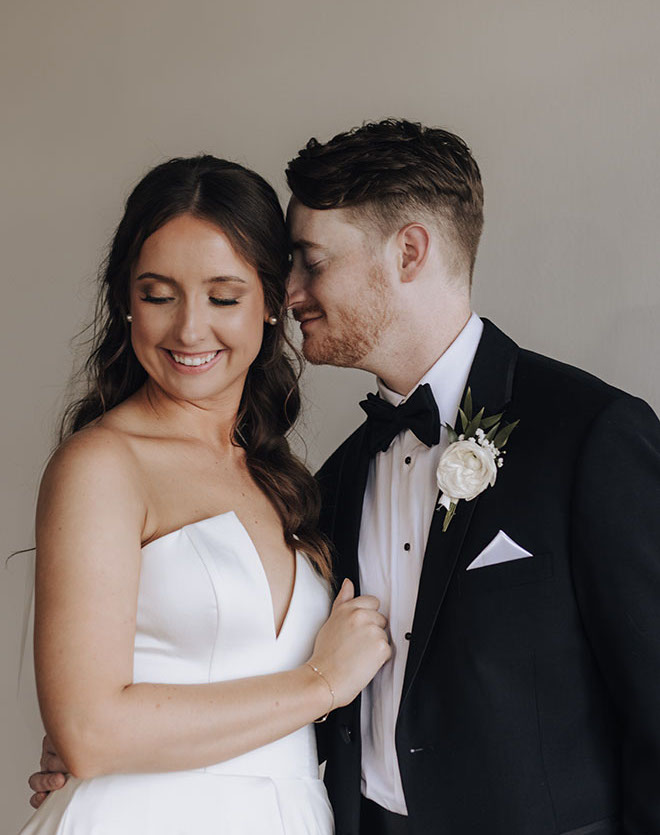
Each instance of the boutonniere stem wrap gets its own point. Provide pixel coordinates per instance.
(470, 463)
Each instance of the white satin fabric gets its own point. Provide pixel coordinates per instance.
(205, 614)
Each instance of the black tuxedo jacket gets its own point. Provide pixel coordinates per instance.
(531, 700)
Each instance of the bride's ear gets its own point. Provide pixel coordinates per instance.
(414, 244)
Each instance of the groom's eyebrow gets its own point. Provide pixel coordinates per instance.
(302, 243)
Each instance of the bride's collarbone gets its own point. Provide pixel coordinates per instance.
(173, 506)
(184, 489)
(183, 486)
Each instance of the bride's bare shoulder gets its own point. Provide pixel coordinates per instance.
(96, 464)
(99, 444)
(91, 508)
(106, 443)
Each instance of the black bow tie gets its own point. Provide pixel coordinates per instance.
(419, 413)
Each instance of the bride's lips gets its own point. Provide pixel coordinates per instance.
(193, 369)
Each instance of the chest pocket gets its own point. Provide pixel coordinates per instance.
(506, 575)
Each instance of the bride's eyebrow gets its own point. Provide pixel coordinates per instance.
(216, 279)
(224, 279)
(156, 277)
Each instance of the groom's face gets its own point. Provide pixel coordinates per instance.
(338, 287)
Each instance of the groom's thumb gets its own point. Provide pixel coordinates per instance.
(346, 592)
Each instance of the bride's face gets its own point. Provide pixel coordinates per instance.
(198, 311)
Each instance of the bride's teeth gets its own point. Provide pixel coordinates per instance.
(193, 360)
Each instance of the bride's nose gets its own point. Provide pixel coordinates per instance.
(191, 321)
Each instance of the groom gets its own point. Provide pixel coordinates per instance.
(523, 695)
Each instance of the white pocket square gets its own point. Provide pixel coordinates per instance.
(501, 549)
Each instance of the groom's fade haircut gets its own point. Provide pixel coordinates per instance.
(394, 172)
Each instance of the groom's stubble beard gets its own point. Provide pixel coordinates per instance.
(353, 331)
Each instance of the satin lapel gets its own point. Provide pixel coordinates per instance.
(491, 379)
(351, 485)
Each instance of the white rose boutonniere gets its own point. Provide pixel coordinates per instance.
(470, 463)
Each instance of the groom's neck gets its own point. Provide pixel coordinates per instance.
(401, 362)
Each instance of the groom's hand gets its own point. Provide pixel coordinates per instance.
(51, 777)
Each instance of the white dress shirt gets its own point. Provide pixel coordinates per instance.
(399, 501)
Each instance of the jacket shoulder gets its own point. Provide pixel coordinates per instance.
(562, 387)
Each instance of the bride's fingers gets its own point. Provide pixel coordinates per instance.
(346, 592)
(380, 620)
(366, 601)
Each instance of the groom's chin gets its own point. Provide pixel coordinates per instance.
(331, 352)
(316, 354)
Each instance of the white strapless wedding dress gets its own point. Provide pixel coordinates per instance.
(205, 614)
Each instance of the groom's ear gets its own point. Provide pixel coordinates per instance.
(413, 244)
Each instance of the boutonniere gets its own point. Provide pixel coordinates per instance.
(470, 463)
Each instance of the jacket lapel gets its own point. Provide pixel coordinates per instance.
(490, 379)
(345, 528)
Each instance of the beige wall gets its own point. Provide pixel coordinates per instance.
(559, 101)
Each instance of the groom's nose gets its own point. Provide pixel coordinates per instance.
(295, 288)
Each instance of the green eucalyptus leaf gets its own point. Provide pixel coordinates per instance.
(486, 423)
(467, 403)
(491, 434)
(503, 435)
(449, 515)
(474, 424)
(452, 434)
(464, 419)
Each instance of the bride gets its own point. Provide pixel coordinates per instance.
(184, 637)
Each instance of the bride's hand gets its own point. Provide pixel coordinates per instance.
(352, 644)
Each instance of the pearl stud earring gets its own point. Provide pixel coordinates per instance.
(272, 320)
(129, 318)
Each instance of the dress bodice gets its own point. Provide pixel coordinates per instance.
(205, 611)
(205, 614)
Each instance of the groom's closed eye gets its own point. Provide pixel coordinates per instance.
(313, 269)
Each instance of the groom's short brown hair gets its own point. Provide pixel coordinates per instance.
(394, 172)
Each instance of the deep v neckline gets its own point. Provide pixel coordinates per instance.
(258, 563)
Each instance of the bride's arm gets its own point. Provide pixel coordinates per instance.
(89, 523)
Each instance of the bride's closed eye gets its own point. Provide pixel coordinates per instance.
(213, 299)
(222, 302)
(156, 299)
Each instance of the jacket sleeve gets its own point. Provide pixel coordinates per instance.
(616, 569)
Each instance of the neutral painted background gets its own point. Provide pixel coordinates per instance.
(559, 102)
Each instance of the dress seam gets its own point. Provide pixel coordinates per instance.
(210, 574)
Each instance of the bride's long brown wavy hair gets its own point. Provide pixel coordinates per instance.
(242, 204)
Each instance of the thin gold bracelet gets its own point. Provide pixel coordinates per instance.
(332, 693)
